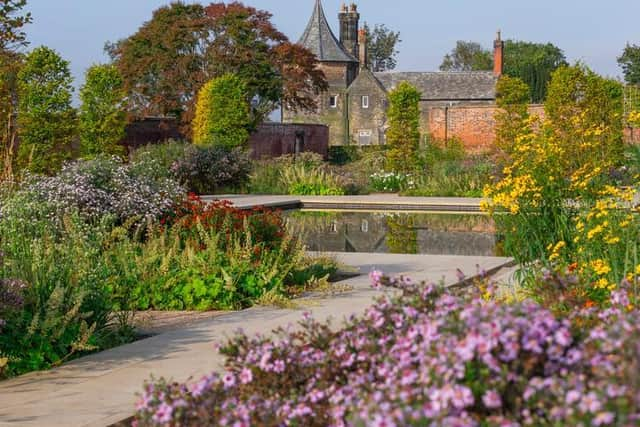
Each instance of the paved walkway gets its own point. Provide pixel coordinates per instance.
(368, 202)
(100, 389)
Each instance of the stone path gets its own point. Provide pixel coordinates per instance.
(100, 389)
(368, 202)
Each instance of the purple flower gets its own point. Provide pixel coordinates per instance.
(163, 413)
(229, 380)
(246, 376)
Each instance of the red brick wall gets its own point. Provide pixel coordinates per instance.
(632, 135)
(474, 125)
(277, 139)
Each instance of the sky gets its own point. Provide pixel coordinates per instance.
(592, 31)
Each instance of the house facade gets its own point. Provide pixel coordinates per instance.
(460, 104)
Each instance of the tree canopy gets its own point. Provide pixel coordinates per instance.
(382, 45)
(46, 118)
(102, 118)
(533, 63)
(222, 113)
(11, 23)
(629, 61)
(167, 61)
(467, 56)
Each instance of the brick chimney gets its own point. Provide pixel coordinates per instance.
(349, 24)
(498, 55)
(364, 53)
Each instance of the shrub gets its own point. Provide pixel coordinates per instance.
(207, 257)
(46, 118)
(403, 135)
(304, 181)
(95, 189)
(343, 154)
(155, 160)
(207, 170)
(66, 307)
(424, 357)
(102, 117)
(222, 113)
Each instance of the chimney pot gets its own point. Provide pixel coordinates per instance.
(354, 8)
(498, 55)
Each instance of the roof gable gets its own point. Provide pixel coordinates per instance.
(319, 38)
(445, 86)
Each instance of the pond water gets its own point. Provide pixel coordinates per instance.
(399, 233)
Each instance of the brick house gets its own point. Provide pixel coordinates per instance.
(460, 104)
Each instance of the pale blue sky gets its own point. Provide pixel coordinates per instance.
(594, 31)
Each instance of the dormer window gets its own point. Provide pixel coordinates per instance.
(365, 101)
(333, 101)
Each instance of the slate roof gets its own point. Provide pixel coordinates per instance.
(447, 85)
(319, 38)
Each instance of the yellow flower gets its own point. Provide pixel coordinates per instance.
(602, 284)
(600, 267)
(612, 240)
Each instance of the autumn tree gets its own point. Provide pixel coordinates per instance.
(467, 56)
(222, 113)
(102, 118)
(183, 46)
(403, 135)
(46, 119)
(12, 39)
(629, 61)
(382, 49)
(513, 111)
(163, 63)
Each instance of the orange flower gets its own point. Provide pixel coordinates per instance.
(573, 267)
(589, 304)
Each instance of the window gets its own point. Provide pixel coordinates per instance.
(364, 136)
(364, 226)
(333, 101)
(365, 101)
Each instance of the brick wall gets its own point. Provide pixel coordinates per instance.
(277, 139)
(473, 124)
(632, 135)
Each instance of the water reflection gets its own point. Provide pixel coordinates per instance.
(400, 233)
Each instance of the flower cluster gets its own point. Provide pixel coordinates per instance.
(205, 170)
(99, 188)
(424, 357)
(391, 182)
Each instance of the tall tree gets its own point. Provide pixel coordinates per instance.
(183, 46)
(403, 135)
(11, 23)
(102, 118)
(12, 39)
(163, 63)
(46, 119)
(382, 45)
(467, 56)
(222, 113)
(533, 63)
(629, 61)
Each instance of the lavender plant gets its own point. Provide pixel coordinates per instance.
(424, 357)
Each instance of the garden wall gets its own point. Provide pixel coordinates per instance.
(277, 139)
(474, 125)
(632, 135)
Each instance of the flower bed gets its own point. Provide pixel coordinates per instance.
(422, 358)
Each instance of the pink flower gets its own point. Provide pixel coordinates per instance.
(246, 376)
(229, 380)
(603, 418)
(492, 400)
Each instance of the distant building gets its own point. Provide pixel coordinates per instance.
(460, 104)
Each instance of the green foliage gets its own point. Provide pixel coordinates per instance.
(403, 135)
(11, 23)
(580, 99)
(46, 119)
(304, 181)
(512, 99)
(102, 119)
(381, 47)
(222, 113)
(467, 56)
(66, 309)
(343, 154)
(533, 63)
(629, 61)
(9, 66)
(158, 159)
